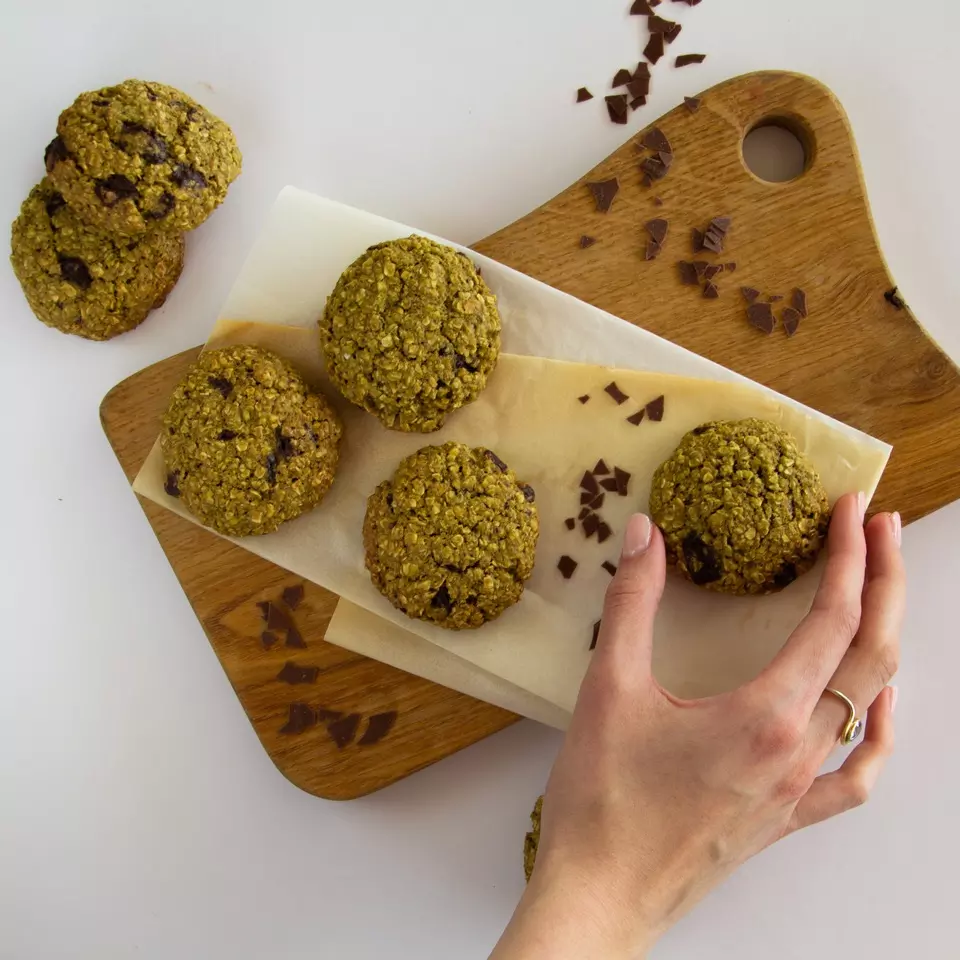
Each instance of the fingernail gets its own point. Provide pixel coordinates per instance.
(894, 693)
(637, 538)
(897, 525)
(862, 504)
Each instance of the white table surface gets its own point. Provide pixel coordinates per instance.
(139, 816)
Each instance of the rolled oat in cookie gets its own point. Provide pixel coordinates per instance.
(451, 537)
(411, 333)
(741, 509)
(140, 157)
(246, 443)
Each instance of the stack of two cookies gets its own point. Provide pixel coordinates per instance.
(99, 241)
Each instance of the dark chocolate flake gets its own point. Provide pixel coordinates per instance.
(673, 33)
(226, 435)
(799, 302)
(617, 107)
(656, 140)
(294, 673)
(711, 291)
(637, 102)
(730, 267)
(442, 600)
(586, 241)
(570, 523)
(294, 638)
(658, 229)
(639, 86)
(293, 595)
(495, 460)
(749, 293)
(618, 395)
(641, 7)
(585, 512)
(700, 559)
(636, 419)
(268, 638)
(567, 565)
(653, 51)
(611, 568)
(165, 204)
(761, 316)
(271, 468)
(791, 320)
(600, 469)
(623, 480)
(265, 606)
(610, 484)
(584, 399)
(785, 575)
(688, 273)
(894, 299)
(692, 103)
(621, 78)
(170, 485)
(378, 726)
(591, 524)
(604, 192)
(56, 152)
(75, 272)
(655, 409)
(688, 58)
(659, 24)
(652, 250)
(775, 298)
(344, 730)
(597, 502)
(54, 203)
(583, 95)
(588, 482)
(115, 188)
(529, 494)
(187, 178)
(596, 635)
(222, 384)
(654, 168)
(712, 270)
(604, 532)
(696, 240)
(300, 718)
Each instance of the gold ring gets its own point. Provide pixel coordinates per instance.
(854, 725)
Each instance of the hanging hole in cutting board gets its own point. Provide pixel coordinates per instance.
(778, 149)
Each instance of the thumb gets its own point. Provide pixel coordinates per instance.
(626, 629)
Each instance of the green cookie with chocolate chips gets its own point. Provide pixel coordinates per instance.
(411, 332)
(246, 443)
(451, 537)
(142, 156)
(741, 509)
(85, 282)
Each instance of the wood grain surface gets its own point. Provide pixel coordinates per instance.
(856, 356)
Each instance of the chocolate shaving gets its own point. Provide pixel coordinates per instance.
(710, 291)
(604, 192)
(610, 483)
(293, 673)
(268, 639)
(585, 398)
(659, 24)
(635, 419)
(799, 302)
(637, 102)
(643, 70)
(570, 523)
(343, 731)
(761, 316)
(791, 320)
(597, 502)
(688, 58)
(603, 532)
(696, 240)
(591, 524)
(712, 270)
(692, 103)
(293, 595)
(749, 294)
(894, 299)
(655, 139)
(588, 482)
(623, 479)
(701, 267)
(617, 107)
(775, 298)
(596, 635)
(655, 409)
(324, 715)
(657, 202)
(673, 33)
(618, 395)
(654, 168)
(300, 718)
(639, 86)
(586, 241)
(294, 639)
(600, 469)
(378, 726)
(688, 273)
(730, 267)
(583, 95)
(641, 7)
(611, 568)
(621, 78)
(653, 51)
(658, 229)
(567, 565)
(586, 497)
(652, 251)
(585, 512)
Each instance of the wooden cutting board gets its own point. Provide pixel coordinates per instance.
(857, 356)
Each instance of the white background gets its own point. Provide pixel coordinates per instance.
(139, 816)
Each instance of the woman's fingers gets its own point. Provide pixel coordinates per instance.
(873, 657)
(850, 786)
(811, 655)
(630, 607)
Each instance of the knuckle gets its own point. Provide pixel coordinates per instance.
(776, 737)
(857, 793)
(846, 618)
(793, 787)
(887, 662)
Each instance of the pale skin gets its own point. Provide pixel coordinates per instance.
(653, 801)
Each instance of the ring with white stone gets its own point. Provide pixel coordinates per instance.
(854, 725)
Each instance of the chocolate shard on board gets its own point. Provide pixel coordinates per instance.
(761, 316)
(584, 399)
(294, 673)
(567, 565)
(378, 726)
(701, 266)
(604, 192)
(617, 107)
(688, 273)
(636, 419)
(294, 639)
(611, 568)
(344, 730)
(652, 251)
(696, 240)
(643, 70)
(324, 715)
(596, 635)
(658, 229)
(730, 267)
(601, 469)
(301, 717)
(621, 78)
(692, 103)
(775, 298)
(673, 33)
(637, 102)
(268, 638)
(586, 241)
(653, 51)
(658, 202)
(686, 59)
(264, 606)
(712, 270)
(894, 299)
(798, 301)
(711, 291)
(655, 409)
(791, 320)
(654, 168)
(639, 86)
(615, 392)
(656, 140)
(292, 596)
(749, 293)
(583, 95)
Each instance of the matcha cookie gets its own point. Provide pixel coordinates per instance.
(741, 509)
(84, 282)
(411, 332)
(247, 445)
(532, 840)
(141, 156)
(451, 537)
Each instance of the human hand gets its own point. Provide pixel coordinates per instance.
(653, 800)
